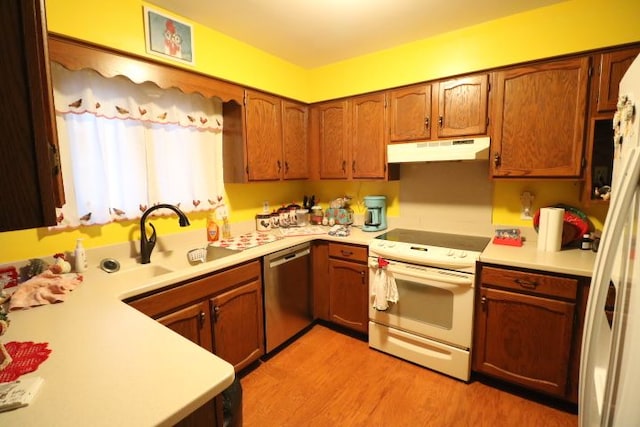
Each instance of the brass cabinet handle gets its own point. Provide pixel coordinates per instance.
(286, 167)
(202, 318)
(496, 159)
(216, 312)
(440, 120)
(279, 166)
(426, 122)
(346, 253)
(344, 166)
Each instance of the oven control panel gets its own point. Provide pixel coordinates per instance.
(424, 254)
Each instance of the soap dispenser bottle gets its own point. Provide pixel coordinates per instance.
(81, 264)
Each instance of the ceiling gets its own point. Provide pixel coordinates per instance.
(313, 33)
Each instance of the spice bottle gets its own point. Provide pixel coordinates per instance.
(585, 244)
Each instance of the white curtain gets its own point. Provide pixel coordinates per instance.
(125, 147)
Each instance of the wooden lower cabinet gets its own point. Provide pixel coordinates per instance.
(238, 330)
(348, 286)
(526, 328)
(191, 322)
(221, 312)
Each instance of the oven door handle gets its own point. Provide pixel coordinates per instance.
(423, 274)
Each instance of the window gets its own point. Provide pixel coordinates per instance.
(125, 147)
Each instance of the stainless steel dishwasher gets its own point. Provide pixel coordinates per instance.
(287, 293)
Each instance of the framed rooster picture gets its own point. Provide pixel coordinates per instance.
(167, 36)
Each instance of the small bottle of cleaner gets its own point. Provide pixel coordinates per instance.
(213, 231)
(81, 263)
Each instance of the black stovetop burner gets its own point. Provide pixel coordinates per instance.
(430, 238)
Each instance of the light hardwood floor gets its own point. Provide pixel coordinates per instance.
(326, 378)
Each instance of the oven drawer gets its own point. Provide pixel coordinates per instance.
(422, 351)
(533, 283)
(350, 252)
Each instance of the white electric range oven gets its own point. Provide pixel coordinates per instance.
(431, 324)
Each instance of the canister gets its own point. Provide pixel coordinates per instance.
(302, 217)
(263, 222)
(316, 215)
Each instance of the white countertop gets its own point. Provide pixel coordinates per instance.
(567, 261)
(112, 365)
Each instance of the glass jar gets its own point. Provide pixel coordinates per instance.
(316, 215)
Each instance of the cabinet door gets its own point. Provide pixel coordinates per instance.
(539, 120)
(334, 139)
(462, 106)
(31, 182)
(613, 65)
(369, 136)
(348, 282)
(295, 140)
(264, 136)
(191, 322)
(524, 339)
(238, 334)
(411, 113)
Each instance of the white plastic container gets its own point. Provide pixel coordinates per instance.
(81, 263)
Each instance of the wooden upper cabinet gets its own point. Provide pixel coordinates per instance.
(446, 109)
(31, 184)
(462, 106)
(263, 134)
(277, 138)
(539, 117)
(613, 65)
(295, 140)
(369, 136)
(411, 113)
(333, 139)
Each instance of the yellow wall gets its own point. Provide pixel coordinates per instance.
(570, 26)
(119, 24)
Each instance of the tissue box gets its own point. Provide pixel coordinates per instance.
(342, 216)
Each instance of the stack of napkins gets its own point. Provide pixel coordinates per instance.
(19, 393)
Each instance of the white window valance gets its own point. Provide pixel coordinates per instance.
(125, 147)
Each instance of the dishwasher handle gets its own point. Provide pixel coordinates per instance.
(288, 257)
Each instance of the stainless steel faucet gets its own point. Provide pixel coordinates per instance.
(147, 245)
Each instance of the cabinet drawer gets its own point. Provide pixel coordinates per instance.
(350, 252)
(534, 283)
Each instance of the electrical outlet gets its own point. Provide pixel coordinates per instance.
(526, 212)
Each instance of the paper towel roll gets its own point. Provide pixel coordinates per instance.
(542, 229)
(550, 229)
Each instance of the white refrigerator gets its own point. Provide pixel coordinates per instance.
(610, 361)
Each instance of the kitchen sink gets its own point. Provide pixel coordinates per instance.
(141, 273)
(210, 253)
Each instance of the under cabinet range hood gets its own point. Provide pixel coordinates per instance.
(439, 150)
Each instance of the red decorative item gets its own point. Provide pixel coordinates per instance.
(8, 277)
(27, 357)
(509, 241)
(382, 263)
(575, 223)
